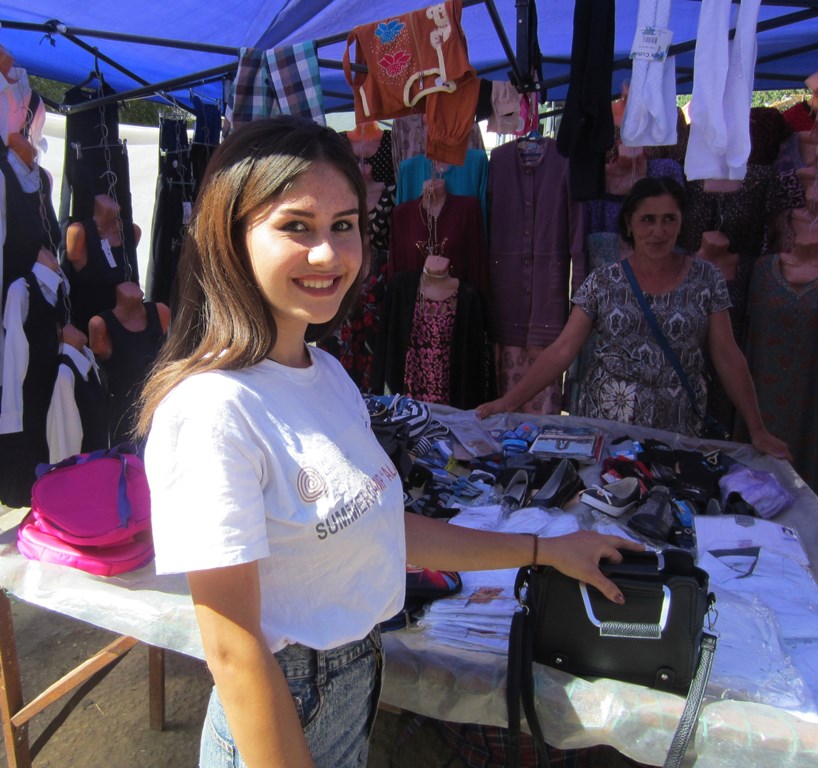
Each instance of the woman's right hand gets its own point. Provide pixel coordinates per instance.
(490, 408)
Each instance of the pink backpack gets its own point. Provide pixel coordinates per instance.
(90, 511)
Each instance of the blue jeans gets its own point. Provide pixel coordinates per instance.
(336, 695)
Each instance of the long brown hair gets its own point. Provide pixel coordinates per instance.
(222, 320)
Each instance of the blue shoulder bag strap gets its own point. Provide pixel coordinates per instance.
(660, 337)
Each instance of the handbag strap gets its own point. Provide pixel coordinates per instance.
(660, 337)
(520, 687)
(693, 704)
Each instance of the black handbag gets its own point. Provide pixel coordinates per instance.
(712, 428)
(657, 638)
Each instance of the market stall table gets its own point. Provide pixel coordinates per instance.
(468, 686)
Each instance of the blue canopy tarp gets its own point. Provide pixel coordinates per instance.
(193, 43)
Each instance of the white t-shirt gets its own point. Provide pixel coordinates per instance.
(278, 465)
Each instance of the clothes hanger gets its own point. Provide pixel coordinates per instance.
(94, 74)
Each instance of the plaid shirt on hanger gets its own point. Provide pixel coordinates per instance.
(280, 80)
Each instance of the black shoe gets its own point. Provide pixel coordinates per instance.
(654, 517)
(561, 487)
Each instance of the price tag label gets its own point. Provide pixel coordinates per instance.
(109, 254)
(651, 43)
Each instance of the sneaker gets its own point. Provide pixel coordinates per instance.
(613, 499)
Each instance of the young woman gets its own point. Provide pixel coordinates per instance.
(631, 380)
(268, 487)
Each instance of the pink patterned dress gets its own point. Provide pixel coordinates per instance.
(428, 374)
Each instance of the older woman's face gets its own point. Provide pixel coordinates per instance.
(655, 225)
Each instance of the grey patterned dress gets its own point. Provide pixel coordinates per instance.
(629, 379)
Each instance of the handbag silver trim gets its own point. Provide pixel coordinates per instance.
(628, 628)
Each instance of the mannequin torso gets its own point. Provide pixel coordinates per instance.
(800, 266)
(808, 178)
(131, 313)
(436, 284)
(109, 225)
(715, 248)
(721, 185)
(629, 166)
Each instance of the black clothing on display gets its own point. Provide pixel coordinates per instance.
(171, 212)
(472, 379)
(22, 451)
(90, 399)
(26, 231)
(93, 288)
(586, 132)
(92, 148)
(133, 354)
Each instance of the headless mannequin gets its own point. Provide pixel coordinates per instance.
(808, 177)
(715, 248)
(437, 284)
(801, 265)
(630, 165)
(130, 311)
(18, 143)
(365, 139)
(432, 201)
(74, 336)
(106, 218)
(804, 221)
(808, 144)
(618, 106)
(721, 185)
(48, 259)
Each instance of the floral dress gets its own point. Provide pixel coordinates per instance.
(428, 372)
(629, 378)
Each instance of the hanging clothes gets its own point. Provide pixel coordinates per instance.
(172, 209)
(536, 259)
(283, 80)
(417, 62)
(719, 142)
(586, 132)
(536, 246)
(650, 113)
(76, 419)
(470, 178)
(34, 311)
(93, 151)
(27, 218)
(409, 138)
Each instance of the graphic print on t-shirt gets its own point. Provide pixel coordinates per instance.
(354, 491)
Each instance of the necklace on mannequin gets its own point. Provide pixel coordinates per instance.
(431, 205)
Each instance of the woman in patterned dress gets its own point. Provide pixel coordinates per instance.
(630, 380)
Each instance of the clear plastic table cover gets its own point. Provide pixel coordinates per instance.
(738, 725)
